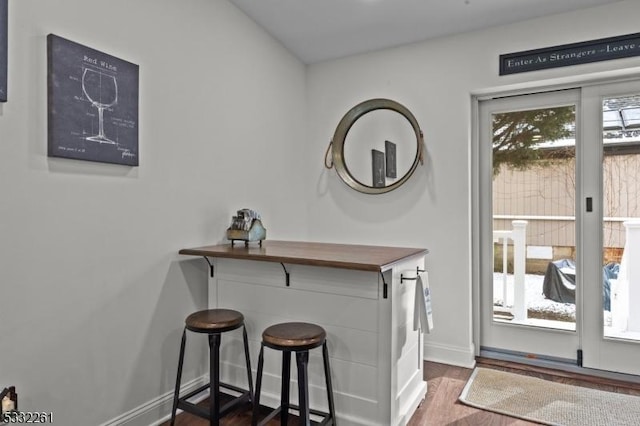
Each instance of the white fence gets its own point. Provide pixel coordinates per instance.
(518, 235)
(625, 290)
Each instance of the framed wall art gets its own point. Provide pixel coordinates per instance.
(4, 24)
(377, 168)
(92, 104)
(390, 156)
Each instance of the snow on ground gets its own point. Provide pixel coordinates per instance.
(534, 298)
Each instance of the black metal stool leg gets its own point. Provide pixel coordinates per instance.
(256, 399)
(284, 393)
(178, 377)
(248, 361)
(327, 376)
(302, 359)
(214, 376)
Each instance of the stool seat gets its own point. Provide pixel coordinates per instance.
(294, 335)
(214, 321)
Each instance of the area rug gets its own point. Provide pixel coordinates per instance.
(547, 402)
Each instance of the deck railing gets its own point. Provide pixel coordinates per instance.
(517, 235)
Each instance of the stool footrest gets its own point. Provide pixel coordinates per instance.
(194, 392)
(233, 388)
(326, 417)
(245, 397)
(192, 408)
(183, 404)
(270, 416)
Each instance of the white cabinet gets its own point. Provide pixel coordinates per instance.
(376, 355)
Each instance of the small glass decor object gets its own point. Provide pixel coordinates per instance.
(246, 226)
(9, 402)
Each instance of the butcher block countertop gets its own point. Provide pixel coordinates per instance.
(346, 256)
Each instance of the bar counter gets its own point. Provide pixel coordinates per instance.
(347, 256)
(355, 293)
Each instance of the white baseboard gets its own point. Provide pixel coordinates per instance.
(453, 355)
(273, 400)
(158, 410)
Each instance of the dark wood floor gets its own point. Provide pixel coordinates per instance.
(441, 406)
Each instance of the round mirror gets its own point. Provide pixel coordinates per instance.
(377, 146)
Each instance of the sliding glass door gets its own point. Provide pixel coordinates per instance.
(528, 228)
(612, 230)
(559, 226)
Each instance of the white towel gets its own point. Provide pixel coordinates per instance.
(423, 317)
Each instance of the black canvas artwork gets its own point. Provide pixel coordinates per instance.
(390, 155)
(377, 167)
(93, 104)
(4, 22)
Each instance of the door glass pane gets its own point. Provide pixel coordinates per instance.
(534, 217)
(621, 216)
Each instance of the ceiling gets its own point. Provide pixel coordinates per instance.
(319, 30)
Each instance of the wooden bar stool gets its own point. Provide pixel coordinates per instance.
(298, 337)
(212, 322)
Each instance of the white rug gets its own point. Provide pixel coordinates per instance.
(547, 402)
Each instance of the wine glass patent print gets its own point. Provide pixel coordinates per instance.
(102, 90)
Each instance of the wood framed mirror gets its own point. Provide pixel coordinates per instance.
(377, 146)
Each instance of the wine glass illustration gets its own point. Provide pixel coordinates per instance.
(102, 90)
(380, 175)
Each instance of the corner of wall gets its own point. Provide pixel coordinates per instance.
(453, 355)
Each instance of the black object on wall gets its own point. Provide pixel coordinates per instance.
(603, 49)
(4, 23)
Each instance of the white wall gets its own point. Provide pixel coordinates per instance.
(93, 295)
(93, 292)
(435, 80)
